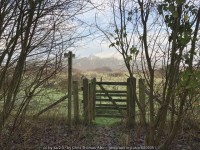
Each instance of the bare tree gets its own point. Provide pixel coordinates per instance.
(33, 36)
(160, 35)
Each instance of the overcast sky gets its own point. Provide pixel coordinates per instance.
(96, 44)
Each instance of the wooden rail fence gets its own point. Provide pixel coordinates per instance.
(99, 97)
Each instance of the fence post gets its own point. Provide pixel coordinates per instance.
(142, 101)
(90, 104)
(101, 80)
(93, 98)
(69, 87)
(76, 101)
(131, 95)
(85, 101)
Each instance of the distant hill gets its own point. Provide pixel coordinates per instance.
(102, 69)
(94, 63)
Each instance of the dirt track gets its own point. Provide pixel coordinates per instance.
(43, 136)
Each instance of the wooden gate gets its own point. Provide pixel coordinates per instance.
(109, 99)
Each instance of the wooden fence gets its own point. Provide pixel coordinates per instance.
(75, 98)
(99, 97)
(96, 97)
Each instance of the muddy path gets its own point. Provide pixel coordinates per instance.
(58, 136)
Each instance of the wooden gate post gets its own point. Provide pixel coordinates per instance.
(131, 95)
(86, 101)
(93, 97)
(90, 103)
(76, 101)
(142, 101)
